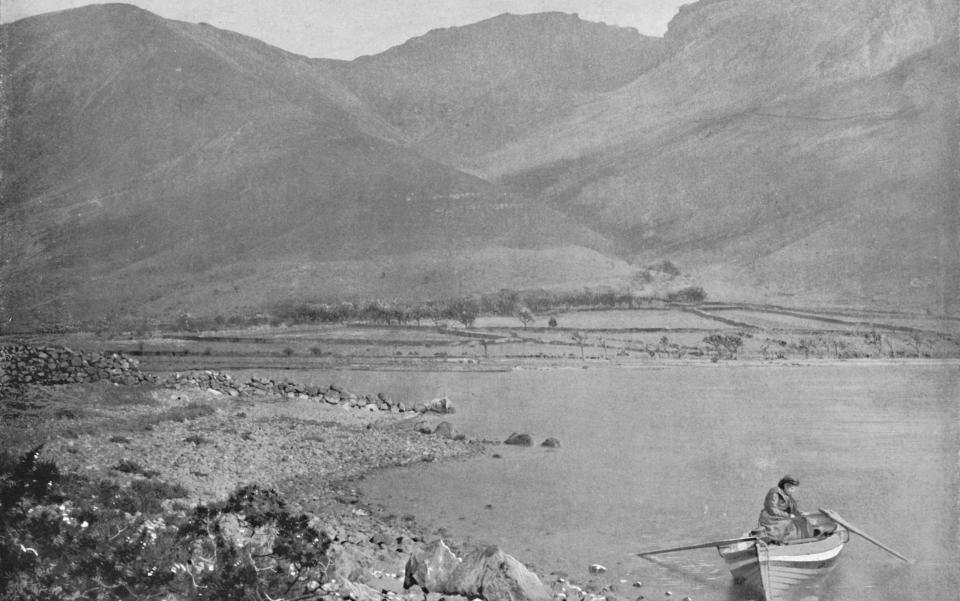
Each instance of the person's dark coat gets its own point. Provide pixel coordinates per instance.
(780, 518)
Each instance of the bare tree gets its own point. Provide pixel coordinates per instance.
(581, 339)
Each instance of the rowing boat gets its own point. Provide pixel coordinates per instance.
(772, 569)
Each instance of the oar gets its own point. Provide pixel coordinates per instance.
(716, 543)
(833, 515)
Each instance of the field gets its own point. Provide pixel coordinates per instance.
(620, 337)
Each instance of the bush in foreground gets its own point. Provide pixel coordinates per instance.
(67, 537)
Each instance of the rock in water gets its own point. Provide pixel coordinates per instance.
(551, 443)
(522, 440)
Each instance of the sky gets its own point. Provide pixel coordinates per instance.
(346, 29)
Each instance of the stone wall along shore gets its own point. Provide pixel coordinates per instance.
(333, 394)
(22, 365)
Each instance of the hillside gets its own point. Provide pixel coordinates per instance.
(798, 152)
(801, 151)
(148, 158)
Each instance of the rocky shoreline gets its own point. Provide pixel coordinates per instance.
(304, 444)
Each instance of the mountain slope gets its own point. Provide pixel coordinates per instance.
(145, 157)
(465, 91)
(797, 150)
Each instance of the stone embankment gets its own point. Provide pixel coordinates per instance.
(22, 365)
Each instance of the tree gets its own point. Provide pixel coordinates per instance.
(525, 316)
(664, 346)
(715, 342)
(465, 310)
(917, 340)
(732, 343)
(581, 339)
(553, 322)
(690, 294)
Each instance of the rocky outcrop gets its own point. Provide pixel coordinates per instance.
(22, 365)
(483, 572)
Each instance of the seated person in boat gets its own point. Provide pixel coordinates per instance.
(780, 520)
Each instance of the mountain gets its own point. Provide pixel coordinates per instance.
(466, 91)
(146, 160)
(804, 151)
(798, 152)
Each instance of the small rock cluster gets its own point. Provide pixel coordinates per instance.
(22, 365)
(525, 440)
(333, 395)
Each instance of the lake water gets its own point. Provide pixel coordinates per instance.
(660, 457)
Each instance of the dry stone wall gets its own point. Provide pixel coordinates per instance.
(333, 394)
(22, 365)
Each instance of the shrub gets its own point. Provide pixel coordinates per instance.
(66, 537)
(279, 556)
(91, 545)
(690, 294)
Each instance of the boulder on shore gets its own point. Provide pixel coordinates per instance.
(490, 573)
(483, 572)
(431, 568)
(447, 430)
(522, 440)
(440, 405)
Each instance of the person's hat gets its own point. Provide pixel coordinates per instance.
(788, 481)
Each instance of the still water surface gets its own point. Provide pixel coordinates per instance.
(659, 457)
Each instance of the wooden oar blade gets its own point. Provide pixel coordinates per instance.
(716, 543)
(833, 515)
